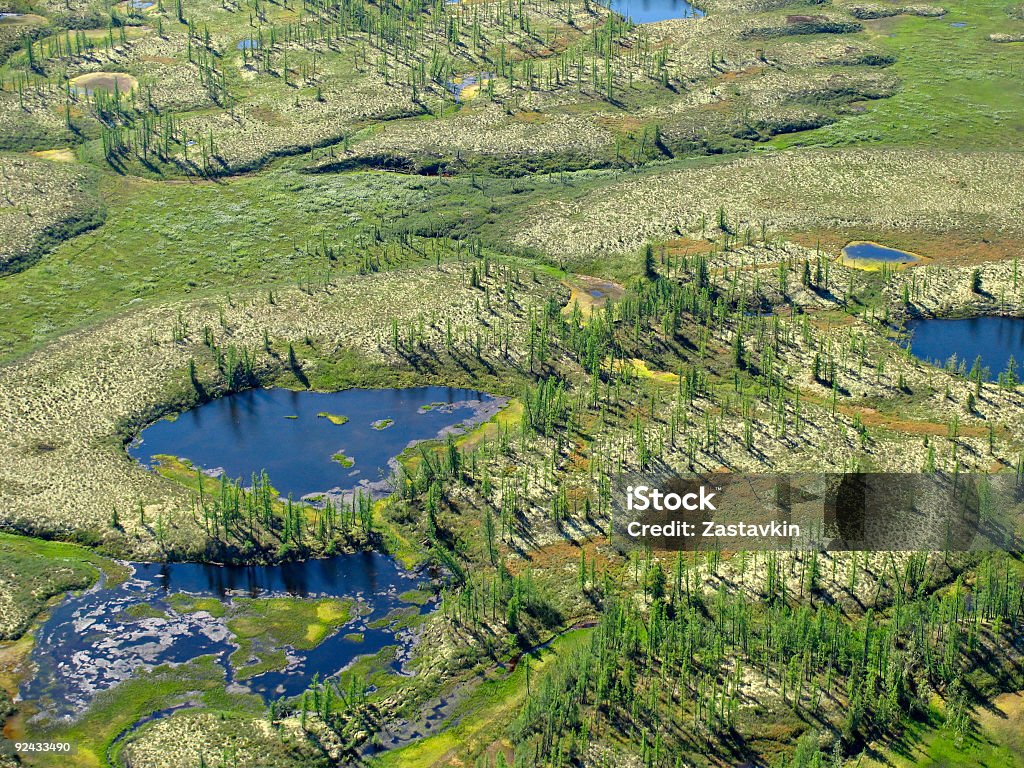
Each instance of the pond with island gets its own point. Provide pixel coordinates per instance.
(244, 617)
(173, 613)
(314, 445)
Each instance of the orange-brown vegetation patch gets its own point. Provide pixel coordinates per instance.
(530, 117)
(621, 124)
(739, 74)
(873, 418)
(687, 246)
(556, 556)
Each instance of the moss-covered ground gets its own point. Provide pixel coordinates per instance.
(633, 232)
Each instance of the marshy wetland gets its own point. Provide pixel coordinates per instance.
(270, 628)
(260, 263)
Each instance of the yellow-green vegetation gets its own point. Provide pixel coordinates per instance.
(122, 706)
(333, 417)
(481, 718)
(415, 596)
(264, 627)
(341, 458)
(33, 571)
(996, 742)
(184, 603)
(142, 611)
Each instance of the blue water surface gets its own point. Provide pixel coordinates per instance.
(875, 252)
(279, 431)
(994, 339)
(646, 11)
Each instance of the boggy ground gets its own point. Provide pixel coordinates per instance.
(241, 235)
(889, 413)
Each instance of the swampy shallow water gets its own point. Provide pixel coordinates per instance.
(309, 443)
(313, 443)
(94, 641)
(994, 339)
(646, 11)
(467, 87)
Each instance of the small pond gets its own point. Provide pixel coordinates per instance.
(994, 339)
(866, 254)
(314, 443)
(646, 11)
(467, 87)
(248, 45)
(93, 641)
(110, 82)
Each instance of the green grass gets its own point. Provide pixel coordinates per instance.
(143, 611)
(36, 571)
(118, 708)
(931, 745)
(264, 626)
(183, 603)
(959, 89)
(484, 714)
(415, 597)
(165, 240)
(333, 418)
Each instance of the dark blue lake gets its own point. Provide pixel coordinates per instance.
(994, 339)
(294, 437)
(646, 11)
(864, 251)
(91, 642)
